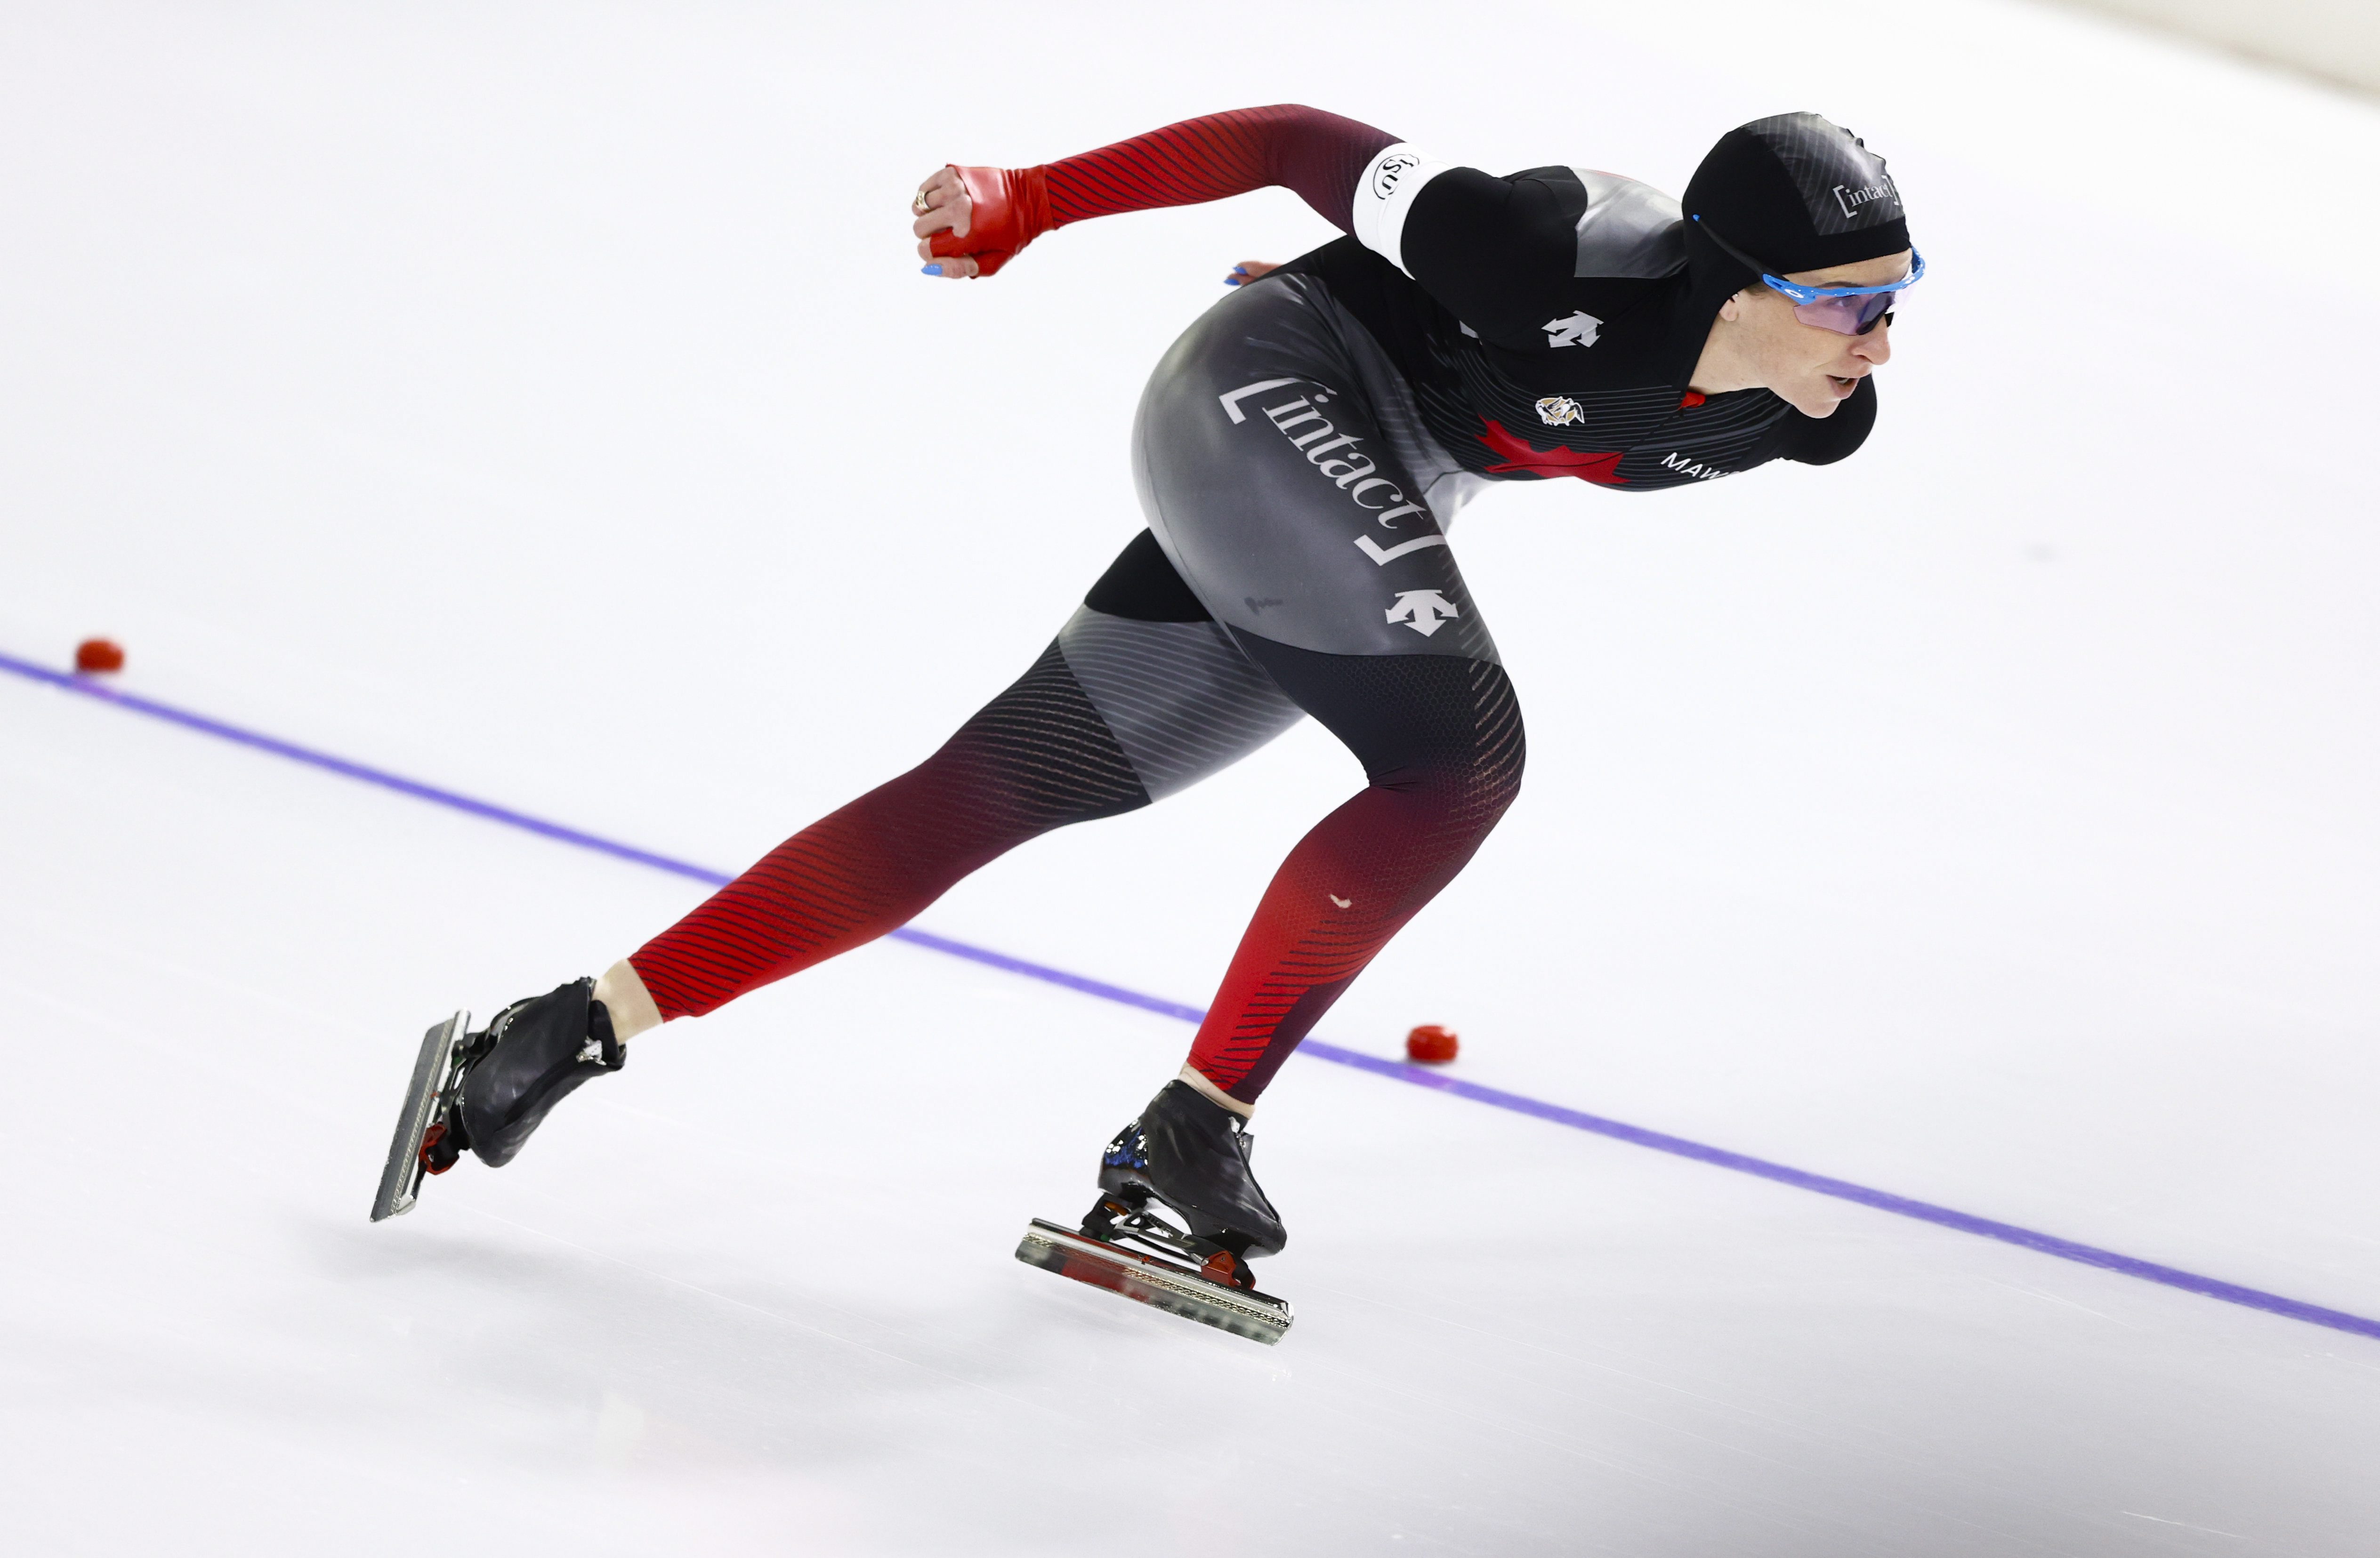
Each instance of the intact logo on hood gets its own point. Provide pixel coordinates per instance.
(1842, 184)
(1850, 200)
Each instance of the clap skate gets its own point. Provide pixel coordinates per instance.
(484, 1092)
(1188, 1156)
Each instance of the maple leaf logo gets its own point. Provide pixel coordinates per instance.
(1519, 455)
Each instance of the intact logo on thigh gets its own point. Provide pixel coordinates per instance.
(1336, 459)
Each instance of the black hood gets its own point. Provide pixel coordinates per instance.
(1796, 193)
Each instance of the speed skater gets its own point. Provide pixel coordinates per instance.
(1300, 453)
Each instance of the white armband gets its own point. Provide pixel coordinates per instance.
(1385, 195)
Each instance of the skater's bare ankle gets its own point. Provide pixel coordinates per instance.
(1212, 1094)
(623, 994)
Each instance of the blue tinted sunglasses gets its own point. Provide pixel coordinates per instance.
(1846, 310)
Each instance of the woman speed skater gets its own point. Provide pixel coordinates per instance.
(1301, 453)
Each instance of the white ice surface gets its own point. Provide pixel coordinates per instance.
(542, 400)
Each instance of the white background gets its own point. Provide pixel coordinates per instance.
(2335, 39)
(542, 400)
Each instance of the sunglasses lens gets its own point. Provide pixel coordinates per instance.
(1847, 316)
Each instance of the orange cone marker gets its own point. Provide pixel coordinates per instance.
(1430, 1044)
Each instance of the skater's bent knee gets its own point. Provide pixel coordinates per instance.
(1481, 785)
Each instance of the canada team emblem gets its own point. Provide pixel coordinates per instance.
(1555, 410)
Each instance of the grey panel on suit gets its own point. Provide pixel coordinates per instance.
(1182, 700)
(1628, 229)
(1291, 480)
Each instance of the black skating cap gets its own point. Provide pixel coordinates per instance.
(1795, 193)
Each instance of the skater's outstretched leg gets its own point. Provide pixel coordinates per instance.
(1141, 695)
(1036, 757)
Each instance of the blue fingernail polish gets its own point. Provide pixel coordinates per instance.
(932, 269)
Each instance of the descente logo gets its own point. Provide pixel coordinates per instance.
(1851, 199)
(1386, 178)
(1579, 329)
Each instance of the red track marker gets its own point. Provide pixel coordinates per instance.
(1430, 1044)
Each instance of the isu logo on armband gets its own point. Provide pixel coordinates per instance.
(1390, 170)
(1556, 410)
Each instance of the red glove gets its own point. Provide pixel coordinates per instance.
(1010, 208)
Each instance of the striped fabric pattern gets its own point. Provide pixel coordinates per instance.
(1368, 867)
(1631, 430)
(1182, 700)
(1318, 155)
(1036, 757)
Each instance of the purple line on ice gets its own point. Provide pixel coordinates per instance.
(1676, 1146)
(1044, 972)
(90, 688)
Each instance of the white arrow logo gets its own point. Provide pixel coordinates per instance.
(1423, 611)
(1579, 329)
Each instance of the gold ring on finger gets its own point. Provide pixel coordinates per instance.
(919, 204)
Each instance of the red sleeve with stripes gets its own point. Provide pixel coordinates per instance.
(1318, 155)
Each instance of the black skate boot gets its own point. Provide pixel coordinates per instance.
(1189, 1155)
(1192, 1154)
(532, 1054)
(486, 1091)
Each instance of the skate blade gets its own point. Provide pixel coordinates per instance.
(1259, 1317)
(400, 1180)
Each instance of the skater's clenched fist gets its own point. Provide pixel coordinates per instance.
(970, 221)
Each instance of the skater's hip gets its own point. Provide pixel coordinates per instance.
(1284, 465)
